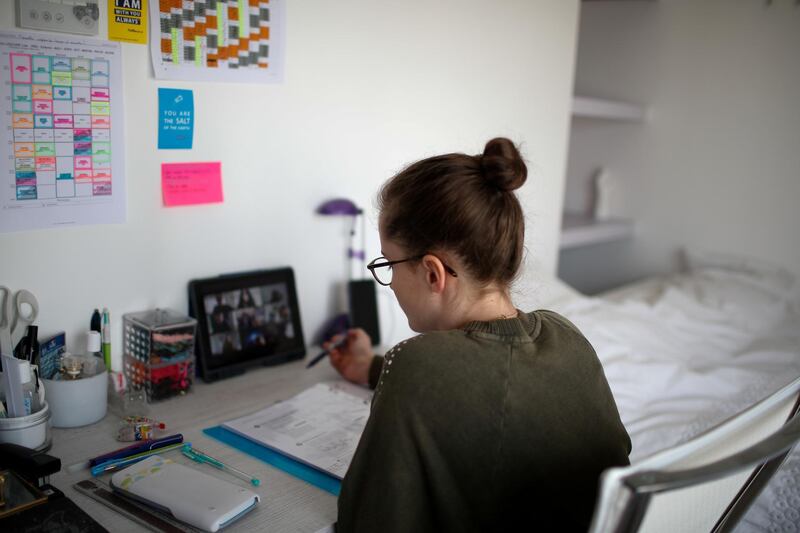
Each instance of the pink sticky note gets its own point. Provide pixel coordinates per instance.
(191, 183)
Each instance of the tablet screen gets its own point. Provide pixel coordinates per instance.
(247, 317)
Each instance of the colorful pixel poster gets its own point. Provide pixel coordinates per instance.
(218, 40)
(62, 144)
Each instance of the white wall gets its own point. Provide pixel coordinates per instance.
(370, 86)
(717, 165)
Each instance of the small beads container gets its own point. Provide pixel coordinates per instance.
(159, 353)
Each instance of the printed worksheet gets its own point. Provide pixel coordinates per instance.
(61, 99)
(320, 426)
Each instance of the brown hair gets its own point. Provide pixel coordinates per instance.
(463, 204)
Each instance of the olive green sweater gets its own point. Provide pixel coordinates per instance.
(497, 425)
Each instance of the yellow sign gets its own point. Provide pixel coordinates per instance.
(127, 21)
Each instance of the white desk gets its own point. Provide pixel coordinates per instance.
(287, 503)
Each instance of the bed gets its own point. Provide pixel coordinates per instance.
(682, 353)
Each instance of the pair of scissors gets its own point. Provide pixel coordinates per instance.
(17, 312)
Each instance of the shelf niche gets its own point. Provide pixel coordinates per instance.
(586, 107)
(580, 230)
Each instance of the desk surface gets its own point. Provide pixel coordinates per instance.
(287, 503)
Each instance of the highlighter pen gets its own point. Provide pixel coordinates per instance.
(116, 464)
(106, 339)
(319, 357)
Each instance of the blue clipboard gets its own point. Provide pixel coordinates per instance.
(299, 470)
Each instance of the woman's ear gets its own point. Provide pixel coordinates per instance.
(434, 273)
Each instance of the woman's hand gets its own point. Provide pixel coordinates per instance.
(353, 359)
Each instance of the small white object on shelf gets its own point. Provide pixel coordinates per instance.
(580, 230)
(606, 195)
(583, 106)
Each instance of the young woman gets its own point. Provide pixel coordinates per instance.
(492, 418)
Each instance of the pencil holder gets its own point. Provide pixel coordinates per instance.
(32, 431)
(78, 402)
(158, 353)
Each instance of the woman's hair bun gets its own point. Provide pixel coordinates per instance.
(502, 165)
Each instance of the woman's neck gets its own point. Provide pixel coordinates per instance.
(486, 306)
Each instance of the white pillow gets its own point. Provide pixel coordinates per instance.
(765, 275)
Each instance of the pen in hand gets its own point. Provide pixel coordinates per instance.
(319, 357)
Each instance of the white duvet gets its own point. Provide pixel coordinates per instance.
(683, 353)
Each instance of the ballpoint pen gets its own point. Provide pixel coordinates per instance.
(128, 451)
(112, 465)
(196, 455)
(319, 357)
(134, 449)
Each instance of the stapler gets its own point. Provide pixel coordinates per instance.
(35, 468)
(51, 510)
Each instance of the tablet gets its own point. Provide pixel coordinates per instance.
(245, 319)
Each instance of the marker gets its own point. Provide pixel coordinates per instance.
(116, 464)
(319, 358)
(200, 457)
(106, 338)
(95, 324)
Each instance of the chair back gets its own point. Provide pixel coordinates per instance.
(707, 483)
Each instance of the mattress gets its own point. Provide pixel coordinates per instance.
(682, 353)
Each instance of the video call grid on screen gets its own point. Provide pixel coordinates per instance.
(250, 317)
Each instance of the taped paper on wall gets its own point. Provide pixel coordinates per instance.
(191, 183)
(175, 118)
(218, 40)
(64, 149)
(127, 21)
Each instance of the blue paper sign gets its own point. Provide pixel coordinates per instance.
(175, 118)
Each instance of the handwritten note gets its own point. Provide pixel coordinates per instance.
(191, 183)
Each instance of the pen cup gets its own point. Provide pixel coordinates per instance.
(78, 402)
(31, 431)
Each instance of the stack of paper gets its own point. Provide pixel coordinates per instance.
(320, 427)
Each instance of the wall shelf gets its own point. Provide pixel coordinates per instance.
(580, 230)
(585, 107)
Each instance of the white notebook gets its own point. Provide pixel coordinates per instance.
(201, 500)
(320, 427)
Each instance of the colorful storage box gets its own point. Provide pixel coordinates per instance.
(159, 353)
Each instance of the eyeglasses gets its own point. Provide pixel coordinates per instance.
(384, 277)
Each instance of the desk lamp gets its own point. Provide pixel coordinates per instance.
(345, 207)
(361, 288)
